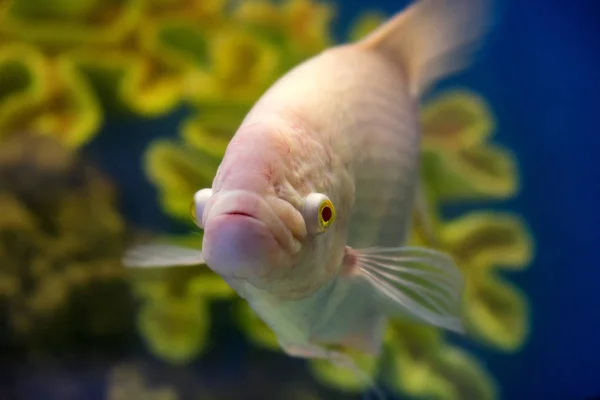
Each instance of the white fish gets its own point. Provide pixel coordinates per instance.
(308, 214)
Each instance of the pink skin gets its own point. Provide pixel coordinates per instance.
(249, 232)
(243, 237)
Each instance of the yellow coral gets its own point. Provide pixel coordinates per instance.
(128, 66)
(458, 162)
(303, 23)
(60, 239)
(345, 379)
(466, 377)
(126, 81)
(201, 11)
(307, 22)
(70, 22)
(497, 313)
(62, 107)
(481, 239)
(211, 131)
(254, 327)
(175, 329)
(422, 365)
(480, 172)
(179, 173)
(210, 286)
(148, 57)
(22, 83)
(240, 66)
(455, 120)
(15, 215)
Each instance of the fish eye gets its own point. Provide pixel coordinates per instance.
(198, 204)
(319, 213)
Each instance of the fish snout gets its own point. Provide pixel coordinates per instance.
(242, 237)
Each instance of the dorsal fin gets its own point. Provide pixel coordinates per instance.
(431, 38)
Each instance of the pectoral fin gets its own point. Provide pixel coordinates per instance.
(160, 255)
(418, 283)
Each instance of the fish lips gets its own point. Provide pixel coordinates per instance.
(243, 236)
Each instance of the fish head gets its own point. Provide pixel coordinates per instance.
(260, 227)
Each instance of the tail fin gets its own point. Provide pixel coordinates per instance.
(432, 38)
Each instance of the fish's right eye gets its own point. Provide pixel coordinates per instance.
(198, 204)
(318, 213)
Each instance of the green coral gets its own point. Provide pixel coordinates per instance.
(61, 282)
(178, 172)
(420, 364)
(42, 95)
(459, 162)
(456, 120)
(174, 319)
(74, 59)
(343, 378)
(175, 329)
(480, 241)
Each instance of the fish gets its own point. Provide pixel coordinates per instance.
(309, 211)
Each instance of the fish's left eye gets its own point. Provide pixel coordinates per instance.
(198, 205)
(319, 213)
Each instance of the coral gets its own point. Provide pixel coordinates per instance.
(456, 120)
(485, 171)
(72, 59)
(174, 319)
(459, 163)
(483, 239)
(175, 329)
(346, 379)
(302, 25)
(44, 95)
(179, 172)
(421, 364)
(468, 168)
(60, 242)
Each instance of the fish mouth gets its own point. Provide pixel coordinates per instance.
(246, 204)
(241, 213)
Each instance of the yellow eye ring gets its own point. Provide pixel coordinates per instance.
(326, 214)
(318, 213)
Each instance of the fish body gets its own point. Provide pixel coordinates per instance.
(309, 211)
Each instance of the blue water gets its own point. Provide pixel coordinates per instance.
(540, 72)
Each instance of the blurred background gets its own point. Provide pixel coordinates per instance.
(114, 112)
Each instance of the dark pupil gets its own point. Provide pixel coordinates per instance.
(326, 214)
